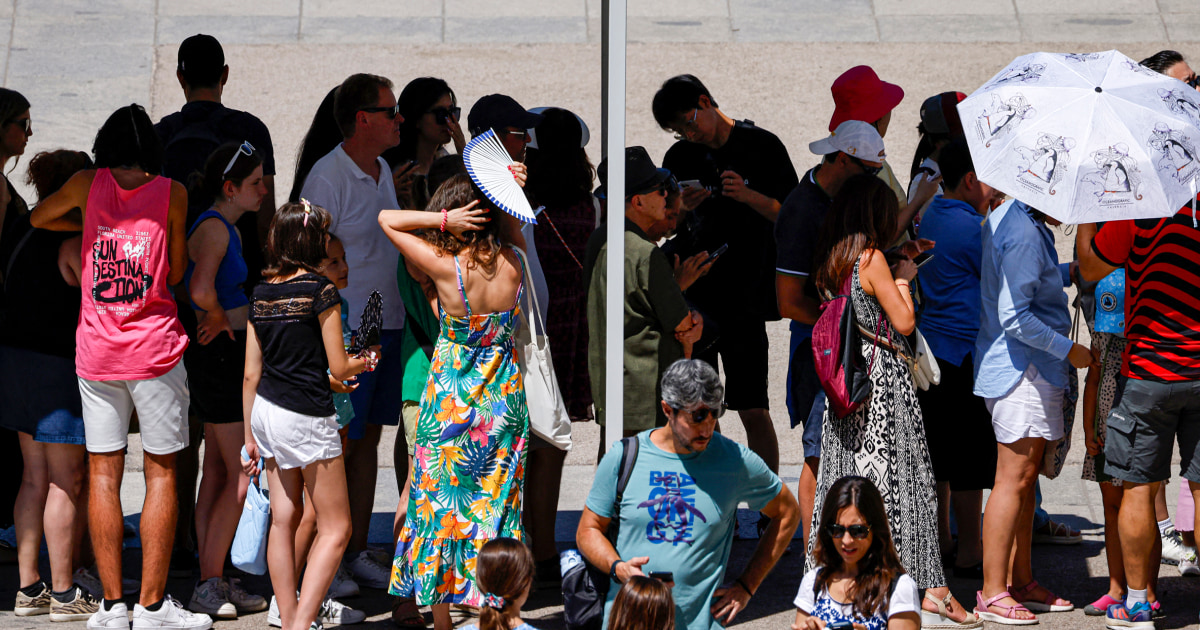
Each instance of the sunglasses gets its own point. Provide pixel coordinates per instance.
(25, 124)
(390, 112)
(440, 114)
(701, 414)
(1193, 81)
(866, 168)
(246, 149)
(858, 532)
(687, 126)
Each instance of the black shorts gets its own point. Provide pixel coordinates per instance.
(958, 429)
(743, 348)
(215, 377)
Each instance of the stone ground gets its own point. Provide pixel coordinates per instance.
(768, 60)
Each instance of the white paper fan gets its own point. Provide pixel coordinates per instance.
(487, 163)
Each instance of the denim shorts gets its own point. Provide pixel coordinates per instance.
(39, 396)
(805, 398)
(1144, 425)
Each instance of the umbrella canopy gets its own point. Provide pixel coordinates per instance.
(1086, 137)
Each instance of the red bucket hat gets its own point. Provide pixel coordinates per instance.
(859, 95)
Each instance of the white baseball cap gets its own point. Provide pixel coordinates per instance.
(854, 138)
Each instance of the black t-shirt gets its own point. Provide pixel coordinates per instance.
(285, 321)
(743, 279)
(798, 229)
(41, 310)
(189, 136)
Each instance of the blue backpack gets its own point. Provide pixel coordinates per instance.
(1110, 303)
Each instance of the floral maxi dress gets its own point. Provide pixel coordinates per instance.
(468, 459)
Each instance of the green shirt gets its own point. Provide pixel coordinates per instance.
(654, 306)
(414, 357)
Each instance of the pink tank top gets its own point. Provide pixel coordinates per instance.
(128, 326)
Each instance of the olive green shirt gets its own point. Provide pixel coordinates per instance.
(654, 306)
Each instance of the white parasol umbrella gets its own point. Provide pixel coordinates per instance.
(1086, 137)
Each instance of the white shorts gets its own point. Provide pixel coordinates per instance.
(161, 405)
(1033, 408)
(295, 440)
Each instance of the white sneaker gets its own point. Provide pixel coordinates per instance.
(1172, 547)
(273, 614)
(115, 618)
(243, 600)
(342, 585)
(332, 613)
(369, 571)
(90, 582)
(170, 616)
(209, 597)
(1189, 564)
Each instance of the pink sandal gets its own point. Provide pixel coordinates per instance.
(1052, 602)
(983, 610)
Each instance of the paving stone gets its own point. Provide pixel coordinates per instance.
(230, 30)
(940, 7)
(379, 31)
(951, 28)
(135, 30)
(516, 30)
(679, 29)
(679, 9)
(473, 9)
(53, 61)
(1183, 27)
(1087, 7)
(232, 7)
(782, 8)
(805, 28)
(1092, 28)
(376, 9)
(69, 8)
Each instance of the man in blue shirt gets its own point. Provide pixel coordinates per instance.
(679, 509)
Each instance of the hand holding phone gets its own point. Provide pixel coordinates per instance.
(922, 258)
(663, 576)
(715, 255)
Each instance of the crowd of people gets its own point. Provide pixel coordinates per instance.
(181, 303)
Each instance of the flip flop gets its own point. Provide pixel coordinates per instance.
(983, 610)
(1049, 604)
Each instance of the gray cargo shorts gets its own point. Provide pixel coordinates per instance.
(1144, 425)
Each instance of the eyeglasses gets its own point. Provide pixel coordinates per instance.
(690, 125)
(701, 414)
(26, 124)
(391, 112)
(246, 149)
(858, 532)
(866, 168)
(440, 114)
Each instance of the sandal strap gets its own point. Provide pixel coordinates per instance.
(1020, 592)
(942, 604)
(988, 603)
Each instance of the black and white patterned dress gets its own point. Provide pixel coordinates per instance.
(884, 441)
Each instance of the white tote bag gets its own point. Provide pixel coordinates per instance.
(548, 418)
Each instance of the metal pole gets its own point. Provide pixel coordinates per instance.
(614, 142)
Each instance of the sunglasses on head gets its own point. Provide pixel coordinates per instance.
(700, 414)
(440, 114)
(868, 169)
(858, 532)
(245, 149)
(390, 112)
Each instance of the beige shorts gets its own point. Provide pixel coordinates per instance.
(161, 405)
(409, 411)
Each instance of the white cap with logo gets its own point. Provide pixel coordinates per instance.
(854, 138)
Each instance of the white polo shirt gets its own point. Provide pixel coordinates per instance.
(354, 200)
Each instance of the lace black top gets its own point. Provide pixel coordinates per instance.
(284, 316)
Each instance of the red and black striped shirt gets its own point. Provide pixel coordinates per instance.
(1162, 293)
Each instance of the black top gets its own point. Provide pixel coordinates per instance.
(744, 277)
(40, 309)
(285, 321)
(189, 136)
(798, 229)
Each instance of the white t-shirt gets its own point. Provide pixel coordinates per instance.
(354, 200)
(905, 598)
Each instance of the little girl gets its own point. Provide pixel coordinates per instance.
(504, 574)
(294, 342)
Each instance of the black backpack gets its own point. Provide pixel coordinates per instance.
(188, 149)
(585, 586)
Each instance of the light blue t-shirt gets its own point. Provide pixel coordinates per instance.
(341, 402)
(681, 511)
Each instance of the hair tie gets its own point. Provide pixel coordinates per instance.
(494, 601)
(307, 210)
(445, 215)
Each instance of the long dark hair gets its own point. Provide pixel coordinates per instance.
(12, 104)
(879, 566)
(504, 568)
(863, 216)
(322, 137)
(128, 140)
(211, 182)
(560, 174)
(294, 243)
(643, 603)
(415, 99)
(483, 244)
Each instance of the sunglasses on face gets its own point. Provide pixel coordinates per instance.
(25, 124)
(700, 414)
(858, 532)
(1193, 81)
(246, 149)
(390, 112)
(688, 126)
(866, 168)
(440, 114)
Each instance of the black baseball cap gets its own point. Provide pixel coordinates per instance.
(201, 60)
(641, 175)
(496, 111)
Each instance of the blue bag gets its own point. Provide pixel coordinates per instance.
(1110, 303)
(249, 549)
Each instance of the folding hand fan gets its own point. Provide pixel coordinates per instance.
(487, 163)
(369, 325)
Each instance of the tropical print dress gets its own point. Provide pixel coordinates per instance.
(468, 460)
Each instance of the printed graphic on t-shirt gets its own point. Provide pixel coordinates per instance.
(119, 263)
(672, 508)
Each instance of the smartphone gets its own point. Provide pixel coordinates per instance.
(715, 255)
(839, 625)
(663, 576)
(690, 183)
(922, 258)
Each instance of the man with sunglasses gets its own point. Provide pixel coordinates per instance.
(743, 174)
(354, 184)
(659, 326)
(854, 148)
(1172, 64)
(678, 511)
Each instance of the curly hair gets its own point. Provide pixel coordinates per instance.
(49, 170)
(483, 244)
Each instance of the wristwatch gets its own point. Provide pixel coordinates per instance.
(612, 571)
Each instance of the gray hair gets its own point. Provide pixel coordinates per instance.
(690, 382)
